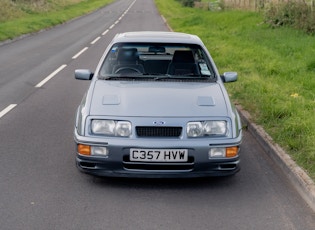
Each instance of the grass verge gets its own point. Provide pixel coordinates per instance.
(276, 71)
(18, 17)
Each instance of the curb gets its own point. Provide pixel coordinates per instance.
(165, 22)
(299, 178)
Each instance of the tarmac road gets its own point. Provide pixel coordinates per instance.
(40, 185)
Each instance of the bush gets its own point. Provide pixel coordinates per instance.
(188, 3)
(295, 14)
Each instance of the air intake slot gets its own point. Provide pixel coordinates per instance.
(148, 131)
(183, 166)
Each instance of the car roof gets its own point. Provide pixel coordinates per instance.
(157, 37)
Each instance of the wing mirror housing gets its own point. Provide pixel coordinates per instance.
(229, 77)
(83, 74)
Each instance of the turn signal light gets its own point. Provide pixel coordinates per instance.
(84, 149)
(232, 151)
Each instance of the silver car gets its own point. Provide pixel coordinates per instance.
(157, 107)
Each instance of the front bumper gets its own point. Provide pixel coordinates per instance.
(118, 163)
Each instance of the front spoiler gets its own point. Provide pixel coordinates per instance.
(116, 169)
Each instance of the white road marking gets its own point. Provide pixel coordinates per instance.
(79, 53)
(95, 40)
(50, 76)
(7, 109)
(105, 32)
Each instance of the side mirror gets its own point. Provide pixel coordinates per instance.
(83, 74)
(229, 76)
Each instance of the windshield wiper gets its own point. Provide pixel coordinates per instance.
(188, 77)
(122, 77)
(131, 76)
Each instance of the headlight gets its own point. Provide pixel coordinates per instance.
(123, 128)
(194, 129)
(206, 128)
(215, 127)
(111, 128)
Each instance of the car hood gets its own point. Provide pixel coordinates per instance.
(156, 99)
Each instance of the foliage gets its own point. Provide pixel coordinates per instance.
(296, 14)
(188, 3)
(19, 17)
(293, 13)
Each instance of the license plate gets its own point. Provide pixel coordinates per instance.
(159, 155)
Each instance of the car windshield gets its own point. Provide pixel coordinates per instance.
(157, 61)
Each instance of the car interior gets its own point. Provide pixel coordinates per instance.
(155, 59)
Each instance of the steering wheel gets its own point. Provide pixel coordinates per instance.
(122, 70)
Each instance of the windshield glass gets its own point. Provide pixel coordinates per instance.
(156, 61)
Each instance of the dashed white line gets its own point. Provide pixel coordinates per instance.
(79, 53)
(95, 40)
(7, 109)
(50, 76)
(112, 26)
(105, 32)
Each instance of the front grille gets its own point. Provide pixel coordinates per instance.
(149, 131)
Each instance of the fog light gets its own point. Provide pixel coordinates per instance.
(216, 152)
(99, 151)
(84, 149)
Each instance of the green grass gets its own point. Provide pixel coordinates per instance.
(18, 17)
(276, 71)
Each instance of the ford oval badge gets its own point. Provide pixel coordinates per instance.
(158, 122)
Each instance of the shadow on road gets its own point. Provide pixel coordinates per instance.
(158, 183)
